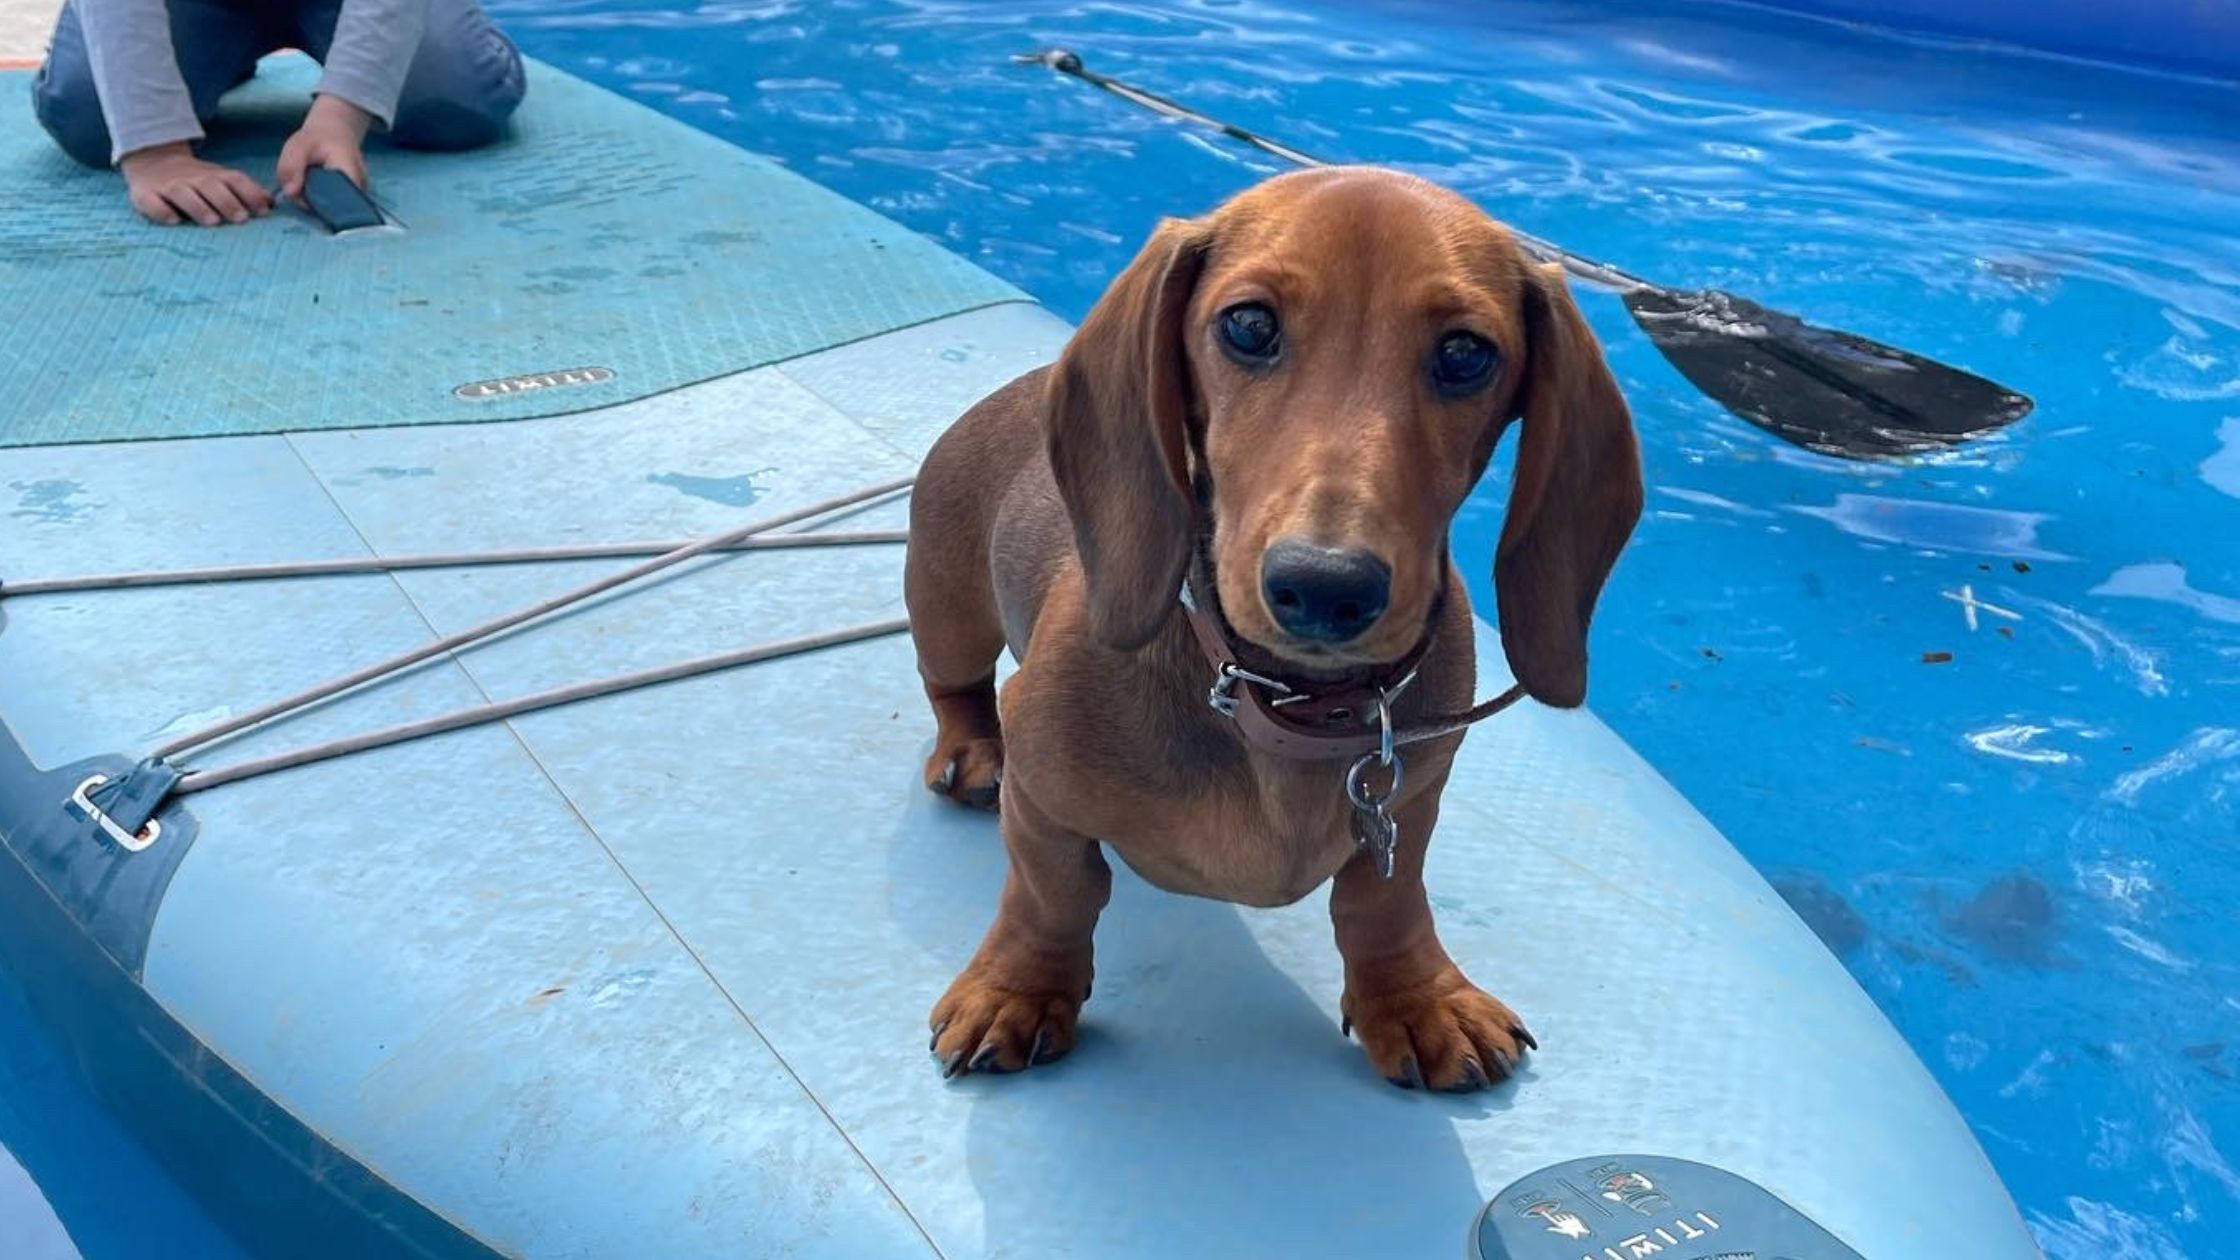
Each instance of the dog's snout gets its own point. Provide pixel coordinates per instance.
(1324, 594)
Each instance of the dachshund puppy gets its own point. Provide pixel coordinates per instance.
(1241, 471)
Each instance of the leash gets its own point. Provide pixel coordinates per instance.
(1297, 723)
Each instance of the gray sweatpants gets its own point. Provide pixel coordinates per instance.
(465, 81)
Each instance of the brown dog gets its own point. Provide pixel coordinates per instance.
(1284, 403)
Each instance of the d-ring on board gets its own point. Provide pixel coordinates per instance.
(130, 841)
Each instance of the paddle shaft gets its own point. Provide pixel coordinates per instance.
(1824, 389)
(1598, 273)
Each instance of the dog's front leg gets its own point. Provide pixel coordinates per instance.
(1016, 1003)
(1420, 1019)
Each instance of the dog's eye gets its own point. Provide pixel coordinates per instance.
(1464, 362)
(1250, 332)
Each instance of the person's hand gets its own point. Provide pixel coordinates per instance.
(169, 184)
(332, 135)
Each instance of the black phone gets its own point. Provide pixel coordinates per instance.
(337, 202)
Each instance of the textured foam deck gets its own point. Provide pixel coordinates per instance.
(600, 235)
(650, 974)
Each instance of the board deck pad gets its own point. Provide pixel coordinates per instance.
(650, 974)
(1628, 1207)
(601, 235)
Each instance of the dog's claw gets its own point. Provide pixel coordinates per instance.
(1411, 1075)
(953, 1065)
(1041, 1043)
(934, 1041)
(1473, 1077)
(1517, 1031)
(1507, 1061)
(945, 780)
(1345, 1025)
(983, 1058)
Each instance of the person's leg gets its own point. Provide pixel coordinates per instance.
(216, 45)
(465, 81)
(63, 95)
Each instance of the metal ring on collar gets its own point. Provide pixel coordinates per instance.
(1357, 787)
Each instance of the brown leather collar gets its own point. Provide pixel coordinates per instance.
(1294, 721)
(1289, 719)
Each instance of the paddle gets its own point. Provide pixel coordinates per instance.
(1826, 390)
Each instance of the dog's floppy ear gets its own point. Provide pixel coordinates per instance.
(1118, 408)
(1576, 496)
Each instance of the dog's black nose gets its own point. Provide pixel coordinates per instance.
(1321, 593)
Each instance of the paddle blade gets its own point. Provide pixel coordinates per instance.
(1828, 391)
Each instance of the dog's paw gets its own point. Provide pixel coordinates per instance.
(1445, 1033)
(980, 1025)
(969, 772)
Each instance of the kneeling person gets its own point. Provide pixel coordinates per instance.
(130, 83)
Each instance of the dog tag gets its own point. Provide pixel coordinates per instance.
(1374, 830)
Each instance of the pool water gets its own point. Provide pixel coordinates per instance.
(2025, 854)
(73, 1182)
